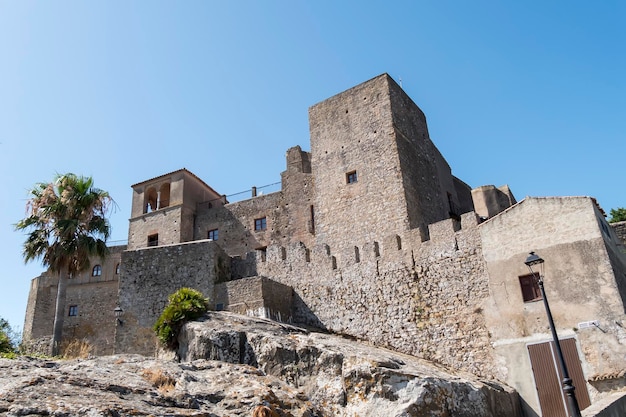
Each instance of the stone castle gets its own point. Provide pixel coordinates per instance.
(371, 236)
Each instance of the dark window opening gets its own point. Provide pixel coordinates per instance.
(351, 177)
(530, 288)
(260, 224)
(153, 240)
(117, 269)
(96, 271)
(312, 224)
(455, 211)
(73, 311)
(213, 234)
(219, 307)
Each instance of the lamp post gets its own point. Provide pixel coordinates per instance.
(568, 386)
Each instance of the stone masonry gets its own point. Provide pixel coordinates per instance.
(371, 237)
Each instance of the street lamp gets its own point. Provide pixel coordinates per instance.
(568, 386)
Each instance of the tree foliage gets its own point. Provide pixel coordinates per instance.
(66, 224)
(7, 344)
(618, 215)
(184, 305)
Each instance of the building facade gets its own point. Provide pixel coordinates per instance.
(372, 236)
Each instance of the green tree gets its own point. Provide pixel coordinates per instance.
(618, 215)
(184, 305)
(6, 336)
(66, 224)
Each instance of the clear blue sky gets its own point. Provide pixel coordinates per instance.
(530, 94)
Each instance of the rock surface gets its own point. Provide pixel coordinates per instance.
(342, 377)
(231, 363)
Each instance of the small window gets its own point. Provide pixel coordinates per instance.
(73, 311)
(213, 234)
(262, 252)
(351, 177)
(117, 269)
(96, 271)
(153, 240)
(530, 288)
(260, 224)
(219, 307)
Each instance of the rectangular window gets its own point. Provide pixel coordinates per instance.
(260, 224)
(153, 240)
(213, 234)
(530, 288)
(73, 312)
(262, 253)
(351, 177)
(219, 307)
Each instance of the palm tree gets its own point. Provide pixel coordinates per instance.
(66, 223)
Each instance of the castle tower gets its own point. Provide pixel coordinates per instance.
(376, 170)
(164, 207)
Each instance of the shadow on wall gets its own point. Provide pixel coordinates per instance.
(527, 410)
(244, 267)
(302, 314)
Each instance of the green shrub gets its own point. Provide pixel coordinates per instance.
(6, 343)
(618, 215)
(184, 305)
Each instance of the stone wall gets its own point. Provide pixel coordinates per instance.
(376, 132)
(166, 223)
(620, 230)
(235, 223)
(489, 200)
(95, 319)
(256, 296)
(353, 132)
(420, 298)
(289, 213)
(298, 192)
(39, 319)
(427, 181)
(95, 298)
(150, 275)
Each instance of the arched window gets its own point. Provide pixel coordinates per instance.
(150, 200)
(96, 271)
(117, 269)
(164, 195)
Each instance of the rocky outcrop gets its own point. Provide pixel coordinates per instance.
(230, 364)
(133, 385)
(343, 377)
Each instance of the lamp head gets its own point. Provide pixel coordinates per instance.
(533, 259)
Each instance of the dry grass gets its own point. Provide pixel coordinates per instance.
(263, 411)
(74, 349)
(163, 382)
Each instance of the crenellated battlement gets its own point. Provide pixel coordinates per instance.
(391, 252)
(422, 297)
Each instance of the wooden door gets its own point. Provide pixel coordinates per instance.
(548, 377)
